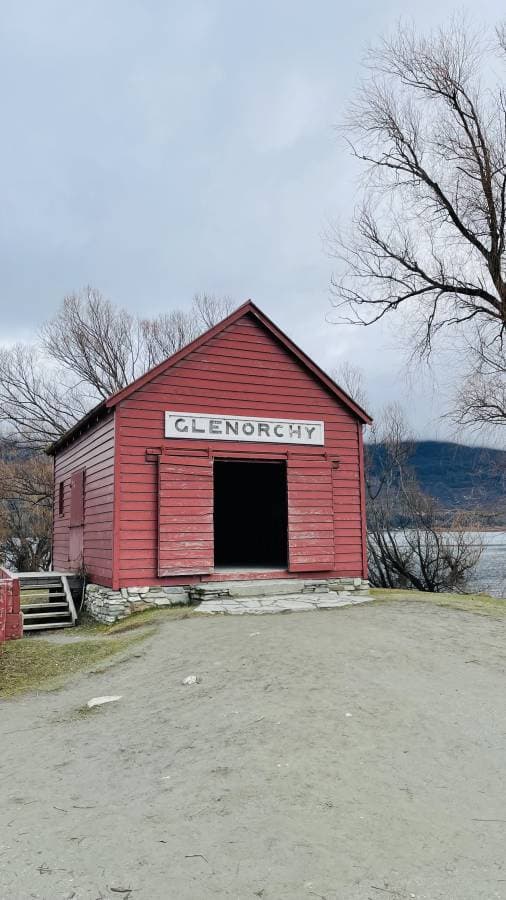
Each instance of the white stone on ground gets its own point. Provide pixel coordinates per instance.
(99, 701)
(191, 679)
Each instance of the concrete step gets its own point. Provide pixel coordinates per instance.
(299, 602)
(257, 587)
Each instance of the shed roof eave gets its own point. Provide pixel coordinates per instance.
(100, 411)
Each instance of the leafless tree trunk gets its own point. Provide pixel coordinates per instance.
(429, 236)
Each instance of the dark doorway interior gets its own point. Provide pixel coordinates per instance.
(250, 514)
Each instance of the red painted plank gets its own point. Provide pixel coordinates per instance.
(93, 451)
(177, 554)
(314, 553)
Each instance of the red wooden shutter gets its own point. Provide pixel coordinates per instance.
(310, 515)
(185, 515)
(77, 498)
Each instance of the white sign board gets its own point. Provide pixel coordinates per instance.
(215, 427)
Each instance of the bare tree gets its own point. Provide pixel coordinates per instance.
(167, 334)
(37, 402)
(28, 478)
(25, 536)
(100, 344)
(411, 544)
(480, 400)
(26, 486)
(210, 309)
(351, 377)
(89, 350)
(170, 332)
(429, 236)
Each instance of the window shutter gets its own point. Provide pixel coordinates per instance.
(310, 515)
(77, 498)
(185, 515)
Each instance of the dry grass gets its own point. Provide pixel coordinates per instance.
(32, 664)
(135, 621)
(481, 604)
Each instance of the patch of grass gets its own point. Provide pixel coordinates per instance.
(135, 620)
(149, 617)
(34, 664)
(86, 712)
(481, 604)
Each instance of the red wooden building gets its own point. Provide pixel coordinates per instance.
(237, 457)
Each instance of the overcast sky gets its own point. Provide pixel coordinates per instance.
(155, 148)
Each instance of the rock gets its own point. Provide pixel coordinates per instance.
(191, 679)
(98, 701)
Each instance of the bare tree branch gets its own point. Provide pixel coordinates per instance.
(88, 351)
(429, 235)
(410, 542)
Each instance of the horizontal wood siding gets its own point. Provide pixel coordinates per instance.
(93, 453)
(244, 370)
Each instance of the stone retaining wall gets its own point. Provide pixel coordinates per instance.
(106, 605)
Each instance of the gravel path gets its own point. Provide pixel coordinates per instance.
(350, 754)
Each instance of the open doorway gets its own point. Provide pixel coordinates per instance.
(250, 515)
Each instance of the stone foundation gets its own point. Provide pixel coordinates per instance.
(352, 585)
(106, 605)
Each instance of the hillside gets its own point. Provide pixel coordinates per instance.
(462, 477)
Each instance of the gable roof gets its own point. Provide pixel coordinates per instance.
(248, 308)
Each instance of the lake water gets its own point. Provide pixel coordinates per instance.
(490, 573)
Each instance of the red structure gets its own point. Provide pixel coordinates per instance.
(11, 619)
(237, 457)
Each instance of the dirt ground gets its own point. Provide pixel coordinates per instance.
(352, 754)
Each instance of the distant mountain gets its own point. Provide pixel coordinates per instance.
(461, 477)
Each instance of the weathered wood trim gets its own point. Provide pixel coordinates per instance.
(363, 507)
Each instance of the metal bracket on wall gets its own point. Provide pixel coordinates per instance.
(152, 454)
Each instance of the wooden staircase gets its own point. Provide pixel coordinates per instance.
(46, 601)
